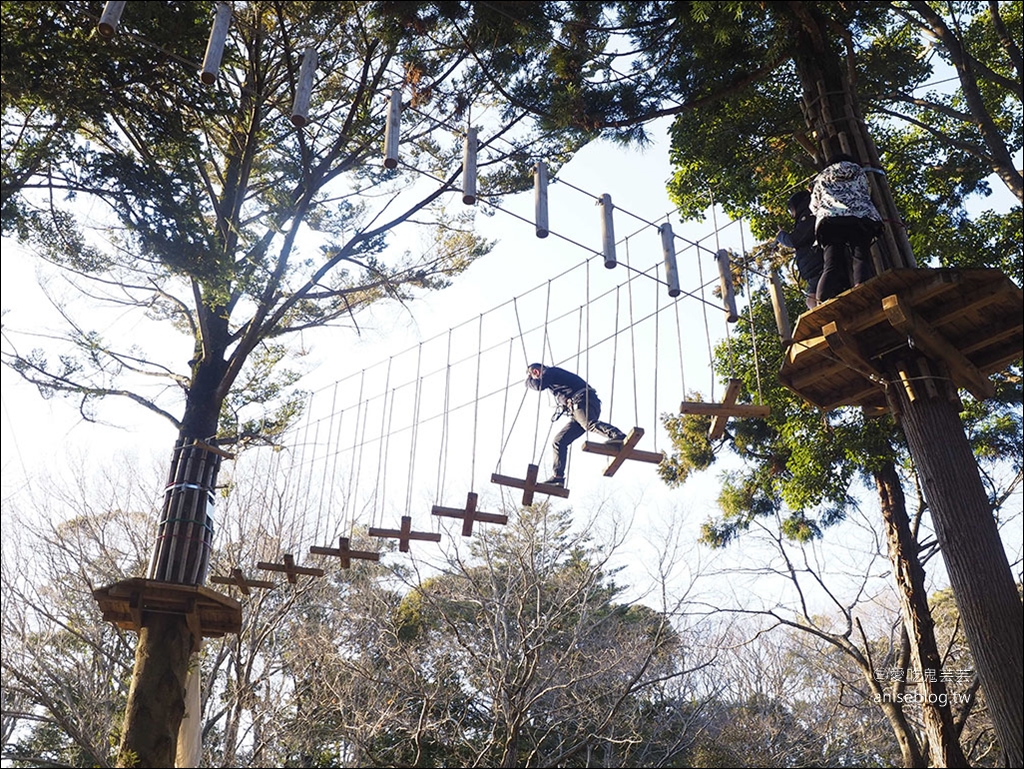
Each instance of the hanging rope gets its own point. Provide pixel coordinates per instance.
(323, 484)
(442, 454)
(657, 347)
(632, 341)
(415, 428)
(615, 354)
(750, 315)
(476, 400)
(545, 343)
(355, 468)
(381, 453)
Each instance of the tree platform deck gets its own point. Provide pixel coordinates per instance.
(970, 320)
(209, 614)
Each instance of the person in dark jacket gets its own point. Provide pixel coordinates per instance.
(844, 217)
(578, 400)
(808, 253)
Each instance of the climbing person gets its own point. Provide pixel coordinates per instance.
(844, 217)
(577, 399)
(809, 259)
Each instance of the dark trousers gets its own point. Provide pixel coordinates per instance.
(586, 410)
(834, 235)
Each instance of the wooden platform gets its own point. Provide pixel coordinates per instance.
(209, 614)
(971, 320)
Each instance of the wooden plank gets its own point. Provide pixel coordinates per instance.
(995, 338)
(405, 534)
(530, 485)
(922, 287)
(713, 409)
(623, 454)
(237, 579)
(816, 347)
(290, 568)
(929, 341)
(610, 451)
(847, 349)
(345, 553)
(469, 514)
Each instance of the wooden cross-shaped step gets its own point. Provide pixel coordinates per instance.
(290, 568)
(345, 553)
(405, 534)
(530, 486)
(237, 578)
(626, 451)
(469, 516)
(722, 411)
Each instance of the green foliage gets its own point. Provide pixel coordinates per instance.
(225, 220)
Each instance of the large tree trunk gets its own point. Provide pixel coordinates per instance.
(979, 572)
(943, 742)
(975, 560)
(156, 700)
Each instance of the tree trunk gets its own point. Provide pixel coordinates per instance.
(979, 572)
(943, 742)
(156, 700)
(833, 116)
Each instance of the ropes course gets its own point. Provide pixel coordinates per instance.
(401, 440)
(396, 448)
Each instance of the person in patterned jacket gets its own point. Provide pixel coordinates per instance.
(577, 399)
(844, 217)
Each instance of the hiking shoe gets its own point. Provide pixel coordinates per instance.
(615, 443)
(555, 480)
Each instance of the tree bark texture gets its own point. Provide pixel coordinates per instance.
(979, 572)
(943, 742)
(156, 700)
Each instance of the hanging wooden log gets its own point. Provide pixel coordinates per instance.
(215, 45)
(607, 231)
(345, 553)
(530, 486)
(110, 18)
(391, 132)
(722, 411)
(405, 534)
(626, 451)
(238, 579)
(728, 294)
(781, 313)
(469, 515)
(668, 247)
(540, 198)
(469, 168)
(304, 89)
(290, 568)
